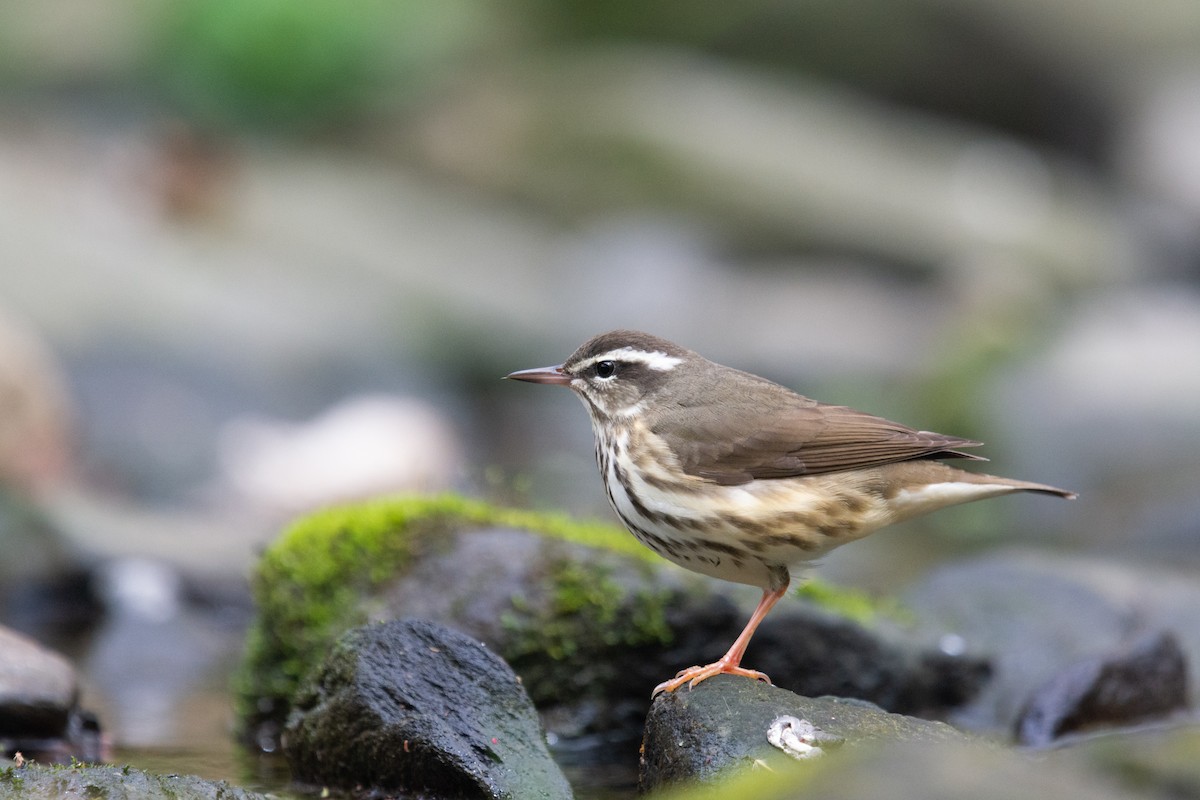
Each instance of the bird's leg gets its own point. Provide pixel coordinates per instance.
(731, 661)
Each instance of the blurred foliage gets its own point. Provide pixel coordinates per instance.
(307, 63)
(859, 606)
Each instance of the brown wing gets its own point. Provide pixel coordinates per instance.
(783, 434)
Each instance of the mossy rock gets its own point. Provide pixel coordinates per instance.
(332, 570)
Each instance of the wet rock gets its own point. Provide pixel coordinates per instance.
(1035, 614)
(39, 704)
(730, 722)
(37, 687)
(1145, 679)
(34, 781)
(415, 707)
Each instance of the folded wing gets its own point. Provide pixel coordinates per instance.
(790, 435)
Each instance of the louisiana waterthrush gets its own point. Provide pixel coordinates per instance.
(730, 475)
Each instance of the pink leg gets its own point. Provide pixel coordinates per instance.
(731, 661)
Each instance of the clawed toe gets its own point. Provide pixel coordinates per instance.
(694, 675)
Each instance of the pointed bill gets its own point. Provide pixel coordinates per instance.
(551, 375)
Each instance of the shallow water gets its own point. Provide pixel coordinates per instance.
(269, 772)
(225, 762)
(222, 758)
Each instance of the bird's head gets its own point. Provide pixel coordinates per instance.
(614, 373)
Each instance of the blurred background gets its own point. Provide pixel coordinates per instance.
(257, 256)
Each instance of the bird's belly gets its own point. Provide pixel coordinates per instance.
(743, 534)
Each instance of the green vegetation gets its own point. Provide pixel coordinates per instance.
(309, 581)
(12, 777)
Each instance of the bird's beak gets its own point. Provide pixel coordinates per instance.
(554, 375)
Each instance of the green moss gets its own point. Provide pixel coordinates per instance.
(309, 581)
(587, 613)
(10, 776)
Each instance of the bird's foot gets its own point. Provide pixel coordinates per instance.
(693, 675)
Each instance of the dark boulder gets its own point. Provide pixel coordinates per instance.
(39, 704)
(411, 706)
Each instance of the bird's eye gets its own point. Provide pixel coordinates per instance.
(606, 369)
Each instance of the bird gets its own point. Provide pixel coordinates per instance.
(739, 478)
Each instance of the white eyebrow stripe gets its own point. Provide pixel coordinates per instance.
(654, 359)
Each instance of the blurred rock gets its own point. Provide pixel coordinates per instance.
(39, 687)
(1159, 146)
(39, 705)
(1107, 409)
(730, 722)
(364, 446)
(413, 707)
(35, 426)
(906, 187)
(1144, 680)
(45, 581)
(1035, 615)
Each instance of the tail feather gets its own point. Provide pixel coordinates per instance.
(918, 487)
(1040, 488)
(1015, 485)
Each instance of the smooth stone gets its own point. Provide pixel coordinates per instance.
(411, 706)
(39, 704)
(729, 722)
(38, 688)
(1145, 679)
